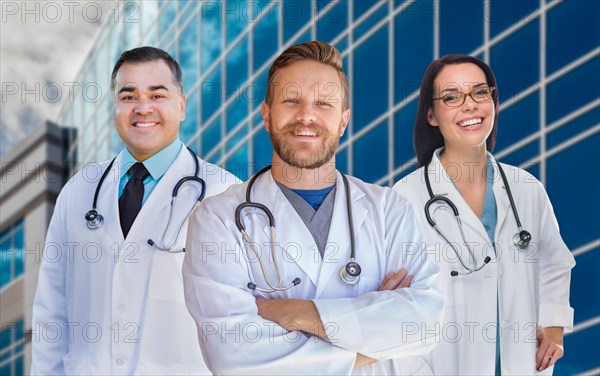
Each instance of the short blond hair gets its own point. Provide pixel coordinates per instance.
(320, 52)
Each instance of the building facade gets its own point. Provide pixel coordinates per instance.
(545, 54)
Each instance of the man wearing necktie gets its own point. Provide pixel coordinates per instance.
(110, 299)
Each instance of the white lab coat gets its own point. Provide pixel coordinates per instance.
(382, 325)
(531, 285)
(108, 305)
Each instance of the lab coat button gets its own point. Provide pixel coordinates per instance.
(120, 362)
(500, 271)
(121, 309)
(506, 371)
(504, 324)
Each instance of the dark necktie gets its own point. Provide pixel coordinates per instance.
(130, 202)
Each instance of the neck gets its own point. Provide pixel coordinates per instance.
(303, 178)
(465, 166)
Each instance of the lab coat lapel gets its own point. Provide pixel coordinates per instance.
(442, 185)
(290, 232)
(108, 203)
(338, 250)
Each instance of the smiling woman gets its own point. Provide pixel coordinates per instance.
(497, 274)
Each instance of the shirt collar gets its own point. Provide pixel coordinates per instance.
(157, 164)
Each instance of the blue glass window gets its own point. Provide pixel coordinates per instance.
(504, 13)
(189, 58)
(575, 126)
(239, 14)
(167, 26)
(370, 79)
(265, 38)
(11, 347)
(515, 75)
(211, 94)
(573, 90)
(333, 22)
(211, 136)
(236, 112)
(404, 121)
(341, 160)
(583, 349)
(12, 242)
(572, 188)
(371, 154)
(296, 14)
(572, 30)
(518, 121)
(190, 125)
(586, 305)
(361, 6)
(411, 55)
(263, 150)
(237, 67)
(461, 24)
(211, 33)
(371, 21)
(523, 154)
(237, 163)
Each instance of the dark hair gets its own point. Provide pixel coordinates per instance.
(427, 138)
(148, 54)
(320, 52)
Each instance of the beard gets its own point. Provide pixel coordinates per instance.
(291, 153)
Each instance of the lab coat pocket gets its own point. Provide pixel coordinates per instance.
(166, 280)
(76, 366)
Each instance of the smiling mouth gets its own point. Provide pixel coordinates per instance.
(305, 133)
(470, 122)
(146, 124)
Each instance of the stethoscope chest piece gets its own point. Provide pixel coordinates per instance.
(522, 239)
(350, 273)
(94, 219)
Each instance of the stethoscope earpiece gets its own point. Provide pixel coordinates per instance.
(94, 219)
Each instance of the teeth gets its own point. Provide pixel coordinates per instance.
(470, 122)
(306, 133)
(144, 125)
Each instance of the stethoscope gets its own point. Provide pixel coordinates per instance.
(521, 239)
(349, 274)
(95, 220)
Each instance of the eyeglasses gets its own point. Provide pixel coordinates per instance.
(456, 99)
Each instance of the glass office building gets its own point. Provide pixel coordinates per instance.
(545, 54)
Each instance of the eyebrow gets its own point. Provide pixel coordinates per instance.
(453, 89)
(133, 88)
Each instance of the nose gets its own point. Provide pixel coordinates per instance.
(306, 113)
(143, 107)
(469, 103)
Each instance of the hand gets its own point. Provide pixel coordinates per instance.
(550, 347)
(363, 360)
(396, 280)
(292, 314)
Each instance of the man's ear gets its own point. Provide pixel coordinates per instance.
(182, 106)
(345, 120)
(265, 110)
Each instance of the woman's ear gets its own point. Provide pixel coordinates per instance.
(431, 118)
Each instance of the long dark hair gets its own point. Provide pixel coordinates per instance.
(427, 138)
